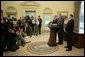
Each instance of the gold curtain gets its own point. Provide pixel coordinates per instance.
(76, 15)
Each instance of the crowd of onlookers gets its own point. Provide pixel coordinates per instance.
(14, 30)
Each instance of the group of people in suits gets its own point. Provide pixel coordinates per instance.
(60, 29)
(33, 25)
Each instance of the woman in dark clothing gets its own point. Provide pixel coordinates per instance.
(28, 29)
(52, 38)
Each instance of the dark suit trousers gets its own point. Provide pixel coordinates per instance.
(39, 29)
(60, 36)
(69, 39)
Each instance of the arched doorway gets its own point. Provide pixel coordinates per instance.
(11, 12)
(47, 17)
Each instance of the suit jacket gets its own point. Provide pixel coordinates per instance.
(40, 21)
(60, 23)
(69, 26)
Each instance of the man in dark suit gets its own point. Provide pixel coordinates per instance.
(69, 30)
(60, 23)
(40, 24)
(3, 34)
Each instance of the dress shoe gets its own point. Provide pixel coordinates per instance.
(60, 43)
(65, 47)
(30, 35)
(68, 49)
(23, 45)
(28, 42)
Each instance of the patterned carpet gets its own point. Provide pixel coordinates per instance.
(39, 47)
